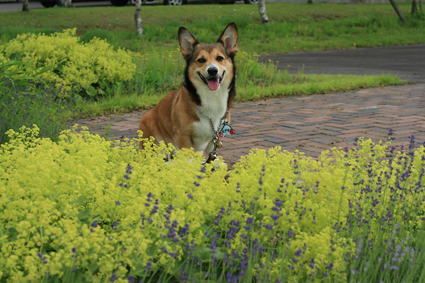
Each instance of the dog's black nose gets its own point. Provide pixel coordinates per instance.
(212, 71)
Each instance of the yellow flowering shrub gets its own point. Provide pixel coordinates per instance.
(89, 210)
(94, 66)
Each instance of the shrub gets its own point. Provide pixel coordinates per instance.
(34, 104)
(82, 211)
(93, 66)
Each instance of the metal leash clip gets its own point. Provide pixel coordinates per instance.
(213, 154)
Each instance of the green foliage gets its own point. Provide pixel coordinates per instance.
(102, 34)
(93, 66)
(34, 103)
(19, 73)
(82, 208)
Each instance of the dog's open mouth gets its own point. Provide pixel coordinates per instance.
(212, 83)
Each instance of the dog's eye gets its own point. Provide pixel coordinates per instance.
(202, 60)
(219, 58)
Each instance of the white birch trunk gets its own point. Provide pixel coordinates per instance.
(138, 18)
(397, 10)
(262, 10)
(25, 6)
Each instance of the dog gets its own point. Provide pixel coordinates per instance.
(192, 116)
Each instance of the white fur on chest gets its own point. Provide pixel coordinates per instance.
(214, 106)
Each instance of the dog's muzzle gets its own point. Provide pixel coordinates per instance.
(213, 82)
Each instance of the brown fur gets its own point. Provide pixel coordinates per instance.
(174, 118)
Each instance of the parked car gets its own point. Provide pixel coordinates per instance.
(52, 3)
(179, 2)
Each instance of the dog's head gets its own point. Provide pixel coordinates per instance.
(210, 66)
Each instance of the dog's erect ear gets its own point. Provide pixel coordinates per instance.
(229, 39)
(187, 42)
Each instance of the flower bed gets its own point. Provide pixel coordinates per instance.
(82, 210)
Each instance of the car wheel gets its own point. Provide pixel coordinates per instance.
(174, 2)
(119, 2)
(48, 4)
(251, 1)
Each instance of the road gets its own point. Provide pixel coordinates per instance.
(405, 61)
(6, 7)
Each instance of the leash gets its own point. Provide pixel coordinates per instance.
(223, 129)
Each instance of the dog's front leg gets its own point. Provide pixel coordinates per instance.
(183, 141)
(228, 116)
(208, 149)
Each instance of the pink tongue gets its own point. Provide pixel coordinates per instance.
(213, 84)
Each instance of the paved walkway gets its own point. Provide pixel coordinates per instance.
(310, 124)
(405, 61)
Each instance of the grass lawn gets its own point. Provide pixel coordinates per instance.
(293, 27)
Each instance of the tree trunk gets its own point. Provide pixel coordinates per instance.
(414, 7)
(25, 6)
(68, 3)
(263, 12)
(397, 10)
(138, 18)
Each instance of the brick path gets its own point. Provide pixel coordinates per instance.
(310, 124)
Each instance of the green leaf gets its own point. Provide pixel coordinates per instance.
(91, 91)
(85, 214)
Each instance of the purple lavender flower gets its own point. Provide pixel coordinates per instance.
(113, 278)
(268, 226)
(298, 252)
(274, 217)
(148, 267)
(94, 224)
(154, 209)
